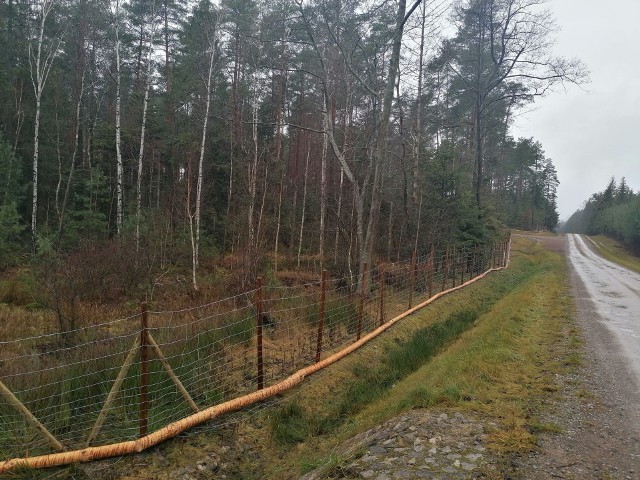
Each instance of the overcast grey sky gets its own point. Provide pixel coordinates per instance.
(592, 135)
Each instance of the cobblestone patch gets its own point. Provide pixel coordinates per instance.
(420, 444)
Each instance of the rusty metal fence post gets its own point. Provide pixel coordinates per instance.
(259, 312)
(144, 370)
(323, 294)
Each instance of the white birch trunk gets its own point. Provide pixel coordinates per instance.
(232, 137)
(42, 68)
(119, 167)
(142, 132)
(19, 120)
(279, 115)
(59, 157)
(196, 244)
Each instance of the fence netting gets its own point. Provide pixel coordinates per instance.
(117, 380)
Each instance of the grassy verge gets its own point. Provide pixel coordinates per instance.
(615, 252)
(292, 424)
(504, 366)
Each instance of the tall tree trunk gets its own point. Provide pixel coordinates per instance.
(19, 89)
(417, 123)
(390, 233)
(478, 142)
(119, 166)
(279, 117)
(252, 187)
(382, 142)
(361, 187)
(233, 131)
(73, 156)
(277, 240)
(304, 199)
(323, 198)
(195, 257)
(142, 130)
(335, 246)
(42, 67)
(59, 158)
(415, 245)
(167, 68)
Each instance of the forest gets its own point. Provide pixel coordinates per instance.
(143, 137)
(614, 212)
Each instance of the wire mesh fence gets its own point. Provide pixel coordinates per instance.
(117, 381)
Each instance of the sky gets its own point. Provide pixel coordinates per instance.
(592, 133)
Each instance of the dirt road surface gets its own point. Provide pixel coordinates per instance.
(599, 413)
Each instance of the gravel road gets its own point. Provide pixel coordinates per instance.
(599, 411)
(615, 292)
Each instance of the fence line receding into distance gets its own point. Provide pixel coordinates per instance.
(98, 391)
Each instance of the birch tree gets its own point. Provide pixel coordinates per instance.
(40, 62)
(145, 103)
(213, 54)
(119, 167)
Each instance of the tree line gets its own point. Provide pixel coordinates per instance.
(615, 211)
(342, 129)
